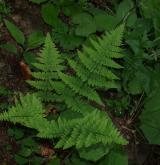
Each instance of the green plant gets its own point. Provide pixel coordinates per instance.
(26, 45)
(93, 71)
(5, 94)
(90, 129)
(4, 9)
(27, 148)
(46, 77)
(82, 132)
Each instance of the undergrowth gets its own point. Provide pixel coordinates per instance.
(93, 88)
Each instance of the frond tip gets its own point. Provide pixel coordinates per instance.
(26, 111)
(48, 65)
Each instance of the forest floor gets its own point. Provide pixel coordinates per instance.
(28, 18)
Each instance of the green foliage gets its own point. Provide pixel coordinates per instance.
(150, 10)
(49, 64)
(4, 9)
(15, 32)
(118, 106)
(90, 73)
(86, 24)
(5, 94)
(25, 112)
(93, 71)
(66, 37)
(34, 40)
(9, 47)
(116, 156)
(92, 129)
(28, 148)
(38, 1)
(50, 14)
(150, 123)
(94, 153)
(93, 68)
(75, 132)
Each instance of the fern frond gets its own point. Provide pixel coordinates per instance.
(94, 70)
(76, 103)
(86, 131)
(77, 85)
(96, 66)
(26, 112)
(83, 74)
(94, 128)
(49, 64)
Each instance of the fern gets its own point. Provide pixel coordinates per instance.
(48, 66)
(94, 69)
(92, 129)
(27, 109)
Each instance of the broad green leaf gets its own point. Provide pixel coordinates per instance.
(10, 48)
(150, 9)
(72, 9)
(28, 142)
(149, 119)
(134, 86)
(75, 160)
(131, 20)
(94, 153)
(55, 161)
(16, 33)
(104, 22)
(115, 157)
(123, 9)
(68, 40)
(15, 133)
(35, 40)
(86, 24)
(20, 160)
(25, 152)
(50, 14)
(37, 160)
(38, 1)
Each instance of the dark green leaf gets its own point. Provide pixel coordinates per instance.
(15, 32)
(9, 47)
(15, 133)
(116, 157)
(86, 24)
(25, 152)
(50, 14)
(150, 123)
(94, 153)
(35, 40)
(55, 161)
(20, 160)
(104, 22)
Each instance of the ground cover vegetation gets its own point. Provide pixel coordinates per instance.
(80, 82)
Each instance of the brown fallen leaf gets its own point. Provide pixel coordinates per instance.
(25, 70)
